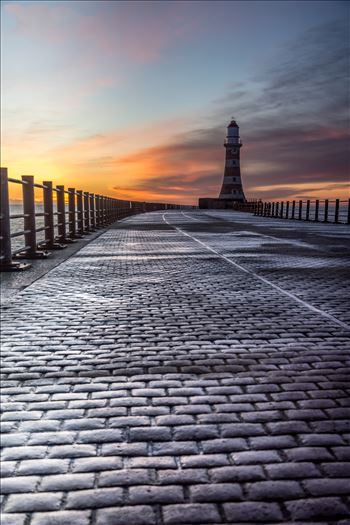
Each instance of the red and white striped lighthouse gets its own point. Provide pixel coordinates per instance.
(232, 189)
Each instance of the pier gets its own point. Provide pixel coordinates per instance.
(182, 367)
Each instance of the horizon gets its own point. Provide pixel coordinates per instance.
(132, 100)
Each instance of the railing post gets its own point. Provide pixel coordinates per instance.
(273, 210)
(336, 211)
(281, 211)
(92, 212)
(49, 242)
(72, 214)
(348, 221)
(307, 218)
(80, 217)
(293, 210)
(326, 203)
(61, 210)
(86, 212)
(110, 209)
(98, 211)
(277, 208)
(287, 210)
(104, 210)
(30, 251)
(300, 212)
(6, 263)
(317, 207)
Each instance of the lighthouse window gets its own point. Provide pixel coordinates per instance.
(234, 150)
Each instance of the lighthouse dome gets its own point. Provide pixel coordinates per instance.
(233, 124)
(232, 136)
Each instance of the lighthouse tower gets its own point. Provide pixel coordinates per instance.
(232, 189)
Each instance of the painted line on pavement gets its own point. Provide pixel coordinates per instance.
(263, 279)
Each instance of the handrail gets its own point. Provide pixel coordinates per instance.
(84, 213)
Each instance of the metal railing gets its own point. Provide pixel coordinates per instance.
(77, 213)
(332, 211)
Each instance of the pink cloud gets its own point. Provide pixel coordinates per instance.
(114, 29)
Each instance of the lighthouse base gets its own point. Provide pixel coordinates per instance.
(207, 203)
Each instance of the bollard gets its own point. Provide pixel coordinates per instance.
(31, 250)
(287, 210)
(300, 210)
(326, 203)
(336, 211)
(317, 208)
(307, 217)
(6, 262)
(50, 241)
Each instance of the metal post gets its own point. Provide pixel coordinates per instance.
(71, 214)
(348, 221)
(317, 207)
(107, 209)
(336, 211)
(50, 242)
(307, 218)
(277, 208)
(273, 210)
(287, 210)
(281, 212)
(30, 251)
(80, 217)
(92, 212)
(325, 219)
(98, 211)
(6, 263)
(86, 212)
(293, 210)
(300, 213)
(104, 211)
(61, 210)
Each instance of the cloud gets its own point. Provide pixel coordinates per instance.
(293, 124)
(136, 31)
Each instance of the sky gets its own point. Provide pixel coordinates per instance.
(132, 99)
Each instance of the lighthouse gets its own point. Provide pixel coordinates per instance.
(232, 189)
(231, 194)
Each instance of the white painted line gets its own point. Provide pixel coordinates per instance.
(189, 217)
(263, 279)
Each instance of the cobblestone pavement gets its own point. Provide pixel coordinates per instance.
(183, 368)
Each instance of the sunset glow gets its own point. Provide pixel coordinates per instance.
(131, 99)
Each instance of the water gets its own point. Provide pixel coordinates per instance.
(17, 225)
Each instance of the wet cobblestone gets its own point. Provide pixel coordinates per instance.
(148, 381)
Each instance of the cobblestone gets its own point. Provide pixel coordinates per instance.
(162, 384)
